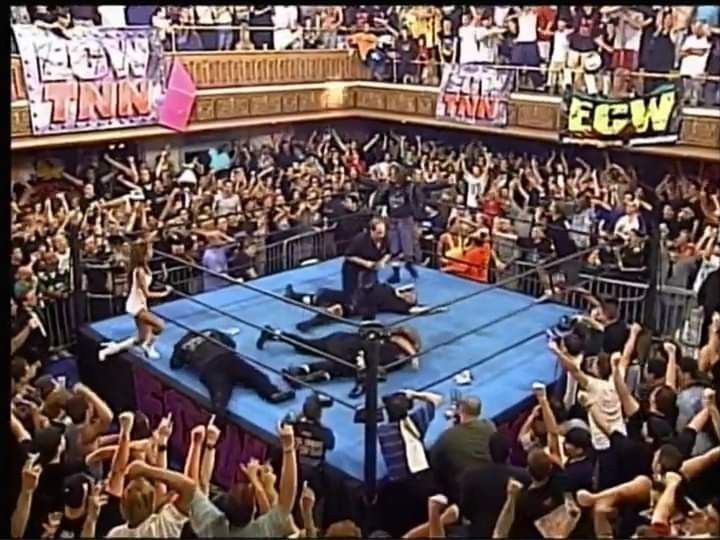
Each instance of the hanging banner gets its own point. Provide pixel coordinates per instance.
(653, 118)
(92, 78)
(475, 94)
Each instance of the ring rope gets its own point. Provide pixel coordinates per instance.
(501, 283)
(256, 326)
(276, 296)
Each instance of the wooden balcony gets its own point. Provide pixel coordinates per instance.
(237, 89)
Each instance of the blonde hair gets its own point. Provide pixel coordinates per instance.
(138, 502)
(343, 529)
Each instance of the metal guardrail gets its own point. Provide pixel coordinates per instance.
(675, 308)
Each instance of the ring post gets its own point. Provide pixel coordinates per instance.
(374, 333)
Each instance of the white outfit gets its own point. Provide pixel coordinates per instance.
(628, 38)
(113, 16)
(468, 36)
(560, 46)
(226, 205)
(527, 28)
(627, 223)
(285, 20)
(694, 65)
(487, 45)
(475, 188)
(603, 393)
(136, 300)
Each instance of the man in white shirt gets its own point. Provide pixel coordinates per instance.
(112, 16)
(626, 46)
(285, 21)
(488, 39)
(630, 221)
(694, 53)
(138, 503)
(468, 41)
(525, 50)
(601, 392)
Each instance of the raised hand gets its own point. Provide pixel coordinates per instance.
(31, 473)
(212, 432)
(287, 437)
(126, 420)
(307, 499)
(97, 499)
(252, 469)
(164, 429)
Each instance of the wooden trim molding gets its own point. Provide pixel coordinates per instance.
(253, 106)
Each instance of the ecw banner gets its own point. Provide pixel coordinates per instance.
(653, 118)
(94, 78)
(475, 94)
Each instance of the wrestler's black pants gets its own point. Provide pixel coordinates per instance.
(226, 371)
(344, 345)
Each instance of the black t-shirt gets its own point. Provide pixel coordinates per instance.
(355, 276)
(313, 441)
(197, 351)
(578, 475)
(634, 457)
(483, 493)
(614, 337)
(398, 201)
(560, 237)
(533, 503)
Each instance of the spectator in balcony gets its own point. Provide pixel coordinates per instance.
(447, 43)
(468, 46)
(186, 38)
(525, 47)
(244, 42)
(711, 97)
(558, 76)
(205, 17)
(161, 23)
(583, 46)
(84, 15)
(488, 37)
(546, 16)
(406, 52)
(426, 63)
(694, 54)
(659, 53)
(112, 16)
(285, 21)
(261, 15)
(19, 15)
(331, 19)
(629, 26)
(366, 44)
(224, 17)
(311, 35)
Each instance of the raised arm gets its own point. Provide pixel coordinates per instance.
(288, 476)
(30, 479)
(507, 514)
(207, 465)
(102, 417)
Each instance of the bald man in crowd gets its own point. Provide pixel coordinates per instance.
(463, 446)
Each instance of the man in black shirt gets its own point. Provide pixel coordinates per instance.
(380, 298)
(563, 244)
(350, 347)
(211, 354)
(367, 253)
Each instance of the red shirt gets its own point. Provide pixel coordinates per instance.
(545, 18)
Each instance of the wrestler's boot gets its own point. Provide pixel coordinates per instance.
(411, 269)
(296, 374)
(281, 395)
(395, 278)
(267, 334)
(299, 297)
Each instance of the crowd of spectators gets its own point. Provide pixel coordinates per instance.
(596, 49)
(631, 428)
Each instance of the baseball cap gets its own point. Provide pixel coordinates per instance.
(75, 489)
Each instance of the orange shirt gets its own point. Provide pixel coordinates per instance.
(365, 42)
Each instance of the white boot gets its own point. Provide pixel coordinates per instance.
(115, 347)
(150, 351)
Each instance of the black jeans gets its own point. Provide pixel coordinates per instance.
(336, 344)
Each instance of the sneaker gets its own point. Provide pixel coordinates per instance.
(102, 355)
(151, 352)
(304, 326)
(464, 378)
(415, 363)
(394, 279)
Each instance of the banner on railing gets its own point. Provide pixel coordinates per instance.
(91, 78)
(653, 118)
(475, 94)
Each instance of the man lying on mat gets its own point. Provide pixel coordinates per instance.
(380, 298)
(403, 344)
(220, 368)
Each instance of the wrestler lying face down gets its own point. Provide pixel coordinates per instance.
(403, 344)
(380, 298)
(221, 368)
